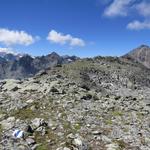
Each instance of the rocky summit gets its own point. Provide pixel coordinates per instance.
(141, 55)
(99, 103)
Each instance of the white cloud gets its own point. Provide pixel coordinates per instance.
(60, 38)
(56, 37)
(144, 9)
(118, 8)
(12, 37)
(77, 42)
(137, 25)
(125, 7)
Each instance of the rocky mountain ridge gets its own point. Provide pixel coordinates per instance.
(100, 103)
(9, 55)
(18, 67)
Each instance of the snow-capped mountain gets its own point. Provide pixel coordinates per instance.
(9, 54)
(15, 65)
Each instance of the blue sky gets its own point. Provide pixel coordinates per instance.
(85, 28)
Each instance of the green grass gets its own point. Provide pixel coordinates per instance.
(67, 125)
(43, 140)
(42, 147)
(108, 122)
(117, 113)
(25, 113)
(122, 145)
(77, 126)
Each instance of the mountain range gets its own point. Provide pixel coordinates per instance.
(99, 103)
(18, 66)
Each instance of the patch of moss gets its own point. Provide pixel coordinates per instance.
(139, 115)
(77, 126)
(43, 139)
(26, 113)
(117, 113)
(122, 144)
(42, 147)
(108, 122)
(66, 125)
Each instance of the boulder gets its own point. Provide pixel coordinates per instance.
(8, 123)
(37, 122)
(30, 141)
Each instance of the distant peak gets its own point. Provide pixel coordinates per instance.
(53, 53)
(9, 51)
(140, 54)
(144, 46)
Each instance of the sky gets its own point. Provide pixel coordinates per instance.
(84, 28)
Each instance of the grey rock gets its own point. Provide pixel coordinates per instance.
(96, 132)
(66, 148)
(37, 122)
(8, 123)
(30, 141)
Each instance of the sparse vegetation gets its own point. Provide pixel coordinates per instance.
(89, 102)
(26, 113)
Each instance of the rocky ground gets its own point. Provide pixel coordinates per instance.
(92, 104)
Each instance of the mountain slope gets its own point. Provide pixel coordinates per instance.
(91, 104)
(140, 54)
